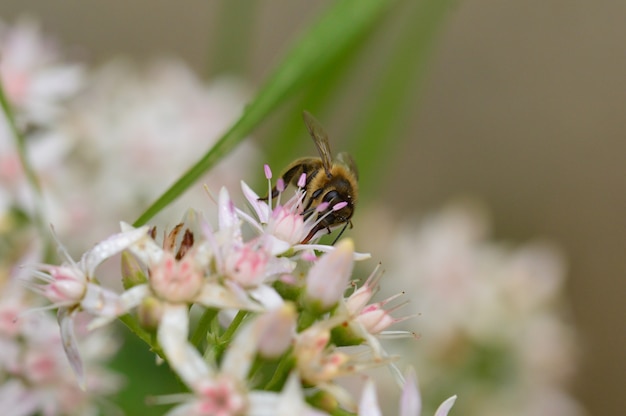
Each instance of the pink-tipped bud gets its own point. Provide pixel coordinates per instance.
(328, 278)
(68, 285)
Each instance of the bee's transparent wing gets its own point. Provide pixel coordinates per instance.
(349, 162)
(320, 138)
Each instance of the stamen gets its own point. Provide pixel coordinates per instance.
(280, 187)
(322, 207)
(268, 176)
(302, 180)
(280, 184)
(340, 205)
(61, 248)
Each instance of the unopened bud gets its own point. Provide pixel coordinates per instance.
(149, 313)
(277, 330)
(328, 278)
(132, 274)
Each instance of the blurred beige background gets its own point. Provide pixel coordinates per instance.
(523, 106)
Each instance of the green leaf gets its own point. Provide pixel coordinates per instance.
(330, 37)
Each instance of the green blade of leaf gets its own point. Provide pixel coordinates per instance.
(318, 98)
(326, 40)
(383, 115)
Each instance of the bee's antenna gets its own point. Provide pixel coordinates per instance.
(341, 232)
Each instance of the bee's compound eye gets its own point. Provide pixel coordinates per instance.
(331, 196)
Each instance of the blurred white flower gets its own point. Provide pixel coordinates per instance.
(492, 324)
(134, 131)
(38, 83)
(35, 77)
(35, 376)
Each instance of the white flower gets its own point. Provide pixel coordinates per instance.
(143, 127)
(365, 321)
(320, 363)
(249, 264)
(225, 391)
(285, 225)
(72, 288)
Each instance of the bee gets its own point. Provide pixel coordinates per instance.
(327, 180)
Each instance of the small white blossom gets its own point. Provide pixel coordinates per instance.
(72, 288)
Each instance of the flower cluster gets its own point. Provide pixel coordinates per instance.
(280, 322)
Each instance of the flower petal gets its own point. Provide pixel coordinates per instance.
(368, 406)
(101, 301)
(182, 357)
(110, 247)
(445, 407)
(214, 295)
(261, 209)
(148, 251)
(65, 318)
(410, 401)
(227, 215)
(127, 301)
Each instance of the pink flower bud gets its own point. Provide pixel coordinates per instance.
(277, 330)
(328, 278)
(68, 285)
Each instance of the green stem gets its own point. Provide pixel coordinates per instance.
(199, 334)
(306, 319)
(31, 177)
(142, 334)
(280, 375)
(228, 335)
